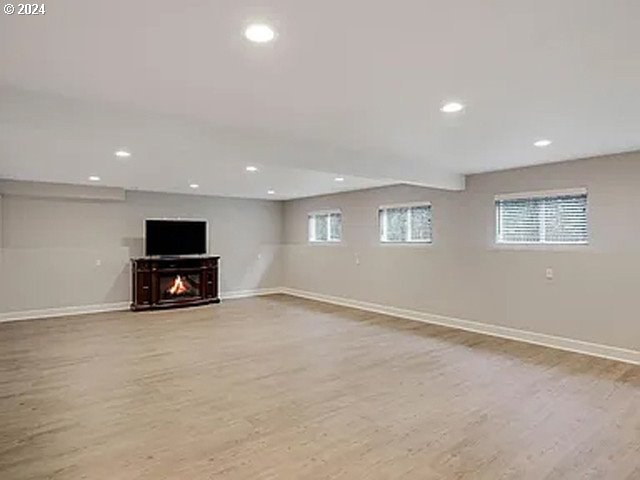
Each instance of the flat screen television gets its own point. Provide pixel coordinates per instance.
(175, 237)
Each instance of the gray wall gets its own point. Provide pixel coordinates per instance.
(593, 296)
(1, 238)
(51, 245)
(52, 238)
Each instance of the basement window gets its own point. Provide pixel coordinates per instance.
(555, 218)
(325, 226)
(409, 223)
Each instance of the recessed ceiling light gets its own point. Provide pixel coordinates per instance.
(194, 185)
(452, 107)
(94, 178)
(251, 168)
(271, 192)
(259, 33)
(122, 154)
(339, 179)
(542, 143)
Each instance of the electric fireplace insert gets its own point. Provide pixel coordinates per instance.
(174, 282)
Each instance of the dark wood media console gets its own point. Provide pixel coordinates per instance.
(174, 282)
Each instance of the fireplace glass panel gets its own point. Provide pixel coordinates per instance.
(178, 286)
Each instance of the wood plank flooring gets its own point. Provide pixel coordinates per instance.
(284, 388)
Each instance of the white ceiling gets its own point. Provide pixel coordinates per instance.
(349, 87)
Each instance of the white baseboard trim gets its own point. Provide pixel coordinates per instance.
(113, 307)
(63, 311)
(561, 343)
(249, 293)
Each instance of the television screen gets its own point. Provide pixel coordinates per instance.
(175, 237)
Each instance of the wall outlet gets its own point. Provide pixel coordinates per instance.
(549, 273)
(98, 263)
(357, 259)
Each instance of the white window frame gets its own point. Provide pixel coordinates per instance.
(311, 227)
(533, 195)
(410, 241)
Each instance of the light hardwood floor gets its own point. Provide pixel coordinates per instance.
(277, 387)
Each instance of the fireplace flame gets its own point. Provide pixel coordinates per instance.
(178, 287)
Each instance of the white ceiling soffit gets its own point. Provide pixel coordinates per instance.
(349, 87)
(47, 137)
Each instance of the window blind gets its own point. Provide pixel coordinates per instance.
(325, 226)
(557, 219)
(405, 224)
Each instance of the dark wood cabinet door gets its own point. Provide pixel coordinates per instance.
(143, 288)
(212, 283)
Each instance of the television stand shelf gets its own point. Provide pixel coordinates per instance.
(169, 282)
